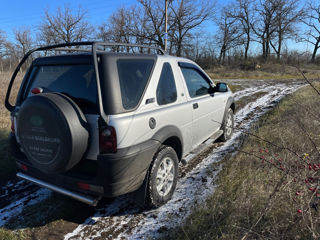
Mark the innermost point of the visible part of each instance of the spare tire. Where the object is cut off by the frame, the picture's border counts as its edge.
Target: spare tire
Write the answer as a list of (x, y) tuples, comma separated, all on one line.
[(52, 131)]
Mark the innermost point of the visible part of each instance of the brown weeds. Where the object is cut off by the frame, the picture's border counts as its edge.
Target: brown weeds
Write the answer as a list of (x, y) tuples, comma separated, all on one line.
[(265, 71), (4, 81)]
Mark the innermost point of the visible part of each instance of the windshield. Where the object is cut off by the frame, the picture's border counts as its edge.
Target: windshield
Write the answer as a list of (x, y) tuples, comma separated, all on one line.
[(76, 81)]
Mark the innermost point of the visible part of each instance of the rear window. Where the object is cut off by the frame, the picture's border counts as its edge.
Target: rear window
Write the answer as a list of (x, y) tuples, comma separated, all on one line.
[(133, 77), (76, 81)]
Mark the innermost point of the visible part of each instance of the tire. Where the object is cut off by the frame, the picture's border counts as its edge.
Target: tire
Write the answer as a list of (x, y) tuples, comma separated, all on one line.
[(164, 168), (227, 126), (52, 131)]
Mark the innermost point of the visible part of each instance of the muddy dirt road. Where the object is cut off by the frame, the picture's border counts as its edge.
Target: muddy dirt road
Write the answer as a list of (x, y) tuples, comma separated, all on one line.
[(119, 218)]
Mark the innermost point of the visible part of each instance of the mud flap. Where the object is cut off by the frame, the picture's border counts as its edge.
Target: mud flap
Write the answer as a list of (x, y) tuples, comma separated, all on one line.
[(139, 196)]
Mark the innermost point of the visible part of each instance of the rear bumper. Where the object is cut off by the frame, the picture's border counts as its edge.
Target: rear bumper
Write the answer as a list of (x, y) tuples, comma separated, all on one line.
[(115, 174)]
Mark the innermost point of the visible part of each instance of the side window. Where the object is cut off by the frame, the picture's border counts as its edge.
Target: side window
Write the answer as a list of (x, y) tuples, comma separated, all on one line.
[(166, 90), (133, 78), (197, 85)]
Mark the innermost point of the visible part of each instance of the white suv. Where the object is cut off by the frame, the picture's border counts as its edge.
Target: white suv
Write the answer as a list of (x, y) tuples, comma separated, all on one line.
[(101, 124)]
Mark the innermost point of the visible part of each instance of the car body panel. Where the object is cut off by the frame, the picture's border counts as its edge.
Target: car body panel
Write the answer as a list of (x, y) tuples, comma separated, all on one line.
[(140, 131)]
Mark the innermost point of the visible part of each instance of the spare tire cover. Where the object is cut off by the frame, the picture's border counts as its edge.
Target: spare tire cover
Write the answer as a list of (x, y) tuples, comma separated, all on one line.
[(52, 131)]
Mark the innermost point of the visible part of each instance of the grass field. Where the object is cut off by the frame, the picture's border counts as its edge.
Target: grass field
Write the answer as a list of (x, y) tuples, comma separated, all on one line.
[(268, 191), (266, 71)]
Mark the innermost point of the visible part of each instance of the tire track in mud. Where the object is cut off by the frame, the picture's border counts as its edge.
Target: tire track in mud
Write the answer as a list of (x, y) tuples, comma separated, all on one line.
[(121, 219), (196, 183), (16, 195)]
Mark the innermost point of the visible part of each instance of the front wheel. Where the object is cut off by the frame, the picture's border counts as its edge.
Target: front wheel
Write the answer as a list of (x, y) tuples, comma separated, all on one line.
[(163, 177), (227, 126)]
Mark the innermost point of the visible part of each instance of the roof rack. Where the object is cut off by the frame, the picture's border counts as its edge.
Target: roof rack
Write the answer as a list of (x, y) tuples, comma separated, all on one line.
[(107, 44), (70, 50)]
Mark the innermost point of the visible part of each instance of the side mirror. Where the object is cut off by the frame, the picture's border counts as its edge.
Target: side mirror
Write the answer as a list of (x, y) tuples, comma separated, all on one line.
[(221, 87)]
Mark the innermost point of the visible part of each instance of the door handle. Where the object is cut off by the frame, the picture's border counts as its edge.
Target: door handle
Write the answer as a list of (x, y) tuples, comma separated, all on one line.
[(195, 105)]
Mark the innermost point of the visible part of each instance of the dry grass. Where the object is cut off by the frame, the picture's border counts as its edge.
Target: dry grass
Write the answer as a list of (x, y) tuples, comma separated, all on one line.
[(261, 191), (4, 81), (266, 71), (7, 164), (9, 235)]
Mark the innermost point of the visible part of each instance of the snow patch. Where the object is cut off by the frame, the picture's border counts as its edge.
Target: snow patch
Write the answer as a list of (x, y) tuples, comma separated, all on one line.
[(15, 208)]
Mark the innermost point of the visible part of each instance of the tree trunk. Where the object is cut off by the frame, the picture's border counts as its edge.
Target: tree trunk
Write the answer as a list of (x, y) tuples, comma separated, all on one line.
[(179, 48), (267, 49), (316, 46), (264, 49), (279, 46), (247, 48), (222, 56)]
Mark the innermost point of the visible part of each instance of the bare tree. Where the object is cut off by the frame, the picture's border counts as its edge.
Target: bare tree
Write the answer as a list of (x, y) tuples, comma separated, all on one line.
[(244, 14), (287, 17), (153, 21), (144, 23), (64, 26), (121, 24), (124, 26), (11, 53), (2, 49), (264, 24), (229, 34), (187, 17), (147, 23), (2, 42), (23, 44), (24, 41), (104, 33), (312, 22)]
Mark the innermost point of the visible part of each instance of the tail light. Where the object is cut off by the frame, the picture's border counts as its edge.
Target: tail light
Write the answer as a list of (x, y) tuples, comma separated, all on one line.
[(84, 186), (12, 125), (37, 90), (22, 167), (90, 187), (107, 139)]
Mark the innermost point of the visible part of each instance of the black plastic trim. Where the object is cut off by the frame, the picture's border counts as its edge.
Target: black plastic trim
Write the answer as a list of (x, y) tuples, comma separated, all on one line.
[(166, 132), (230, 101)]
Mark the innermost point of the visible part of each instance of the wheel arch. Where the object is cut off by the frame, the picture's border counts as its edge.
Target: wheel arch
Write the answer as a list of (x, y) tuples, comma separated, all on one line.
[(230, 104), (170, 136)]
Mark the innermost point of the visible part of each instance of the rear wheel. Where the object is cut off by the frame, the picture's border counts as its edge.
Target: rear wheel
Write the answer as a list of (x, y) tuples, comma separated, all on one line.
[(163, 177)]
